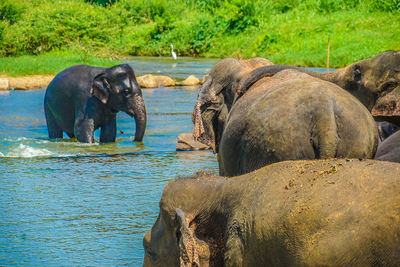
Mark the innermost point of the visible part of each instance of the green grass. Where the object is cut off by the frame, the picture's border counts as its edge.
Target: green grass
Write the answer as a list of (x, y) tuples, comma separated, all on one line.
[(50, 63), (285, 31)]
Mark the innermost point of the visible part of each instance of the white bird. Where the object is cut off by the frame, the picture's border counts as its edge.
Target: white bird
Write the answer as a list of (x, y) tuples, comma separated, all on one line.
[(172, 52)]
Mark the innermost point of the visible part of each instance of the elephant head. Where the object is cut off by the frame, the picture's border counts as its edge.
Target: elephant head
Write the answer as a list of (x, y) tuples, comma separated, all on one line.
[(118, 89), (189, 231), (375, 82), (217, 95)]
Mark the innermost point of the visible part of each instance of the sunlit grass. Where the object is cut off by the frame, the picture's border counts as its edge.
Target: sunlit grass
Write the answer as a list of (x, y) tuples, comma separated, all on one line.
[(49, 63)]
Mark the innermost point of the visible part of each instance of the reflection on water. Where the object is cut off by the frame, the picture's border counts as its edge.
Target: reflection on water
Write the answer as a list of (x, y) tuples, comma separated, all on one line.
[(67, 203)]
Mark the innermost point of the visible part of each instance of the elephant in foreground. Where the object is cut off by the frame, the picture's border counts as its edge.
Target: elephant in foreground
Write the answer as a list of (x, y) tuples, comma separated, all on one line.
[(335, 212), (83, 98)]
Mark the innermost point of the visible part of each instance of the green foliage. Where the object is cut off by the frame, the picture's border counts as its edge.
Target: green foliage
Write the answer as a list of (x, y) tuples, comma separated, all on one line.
[(10, 12), (103, 3), (386, 5), (285, 31)]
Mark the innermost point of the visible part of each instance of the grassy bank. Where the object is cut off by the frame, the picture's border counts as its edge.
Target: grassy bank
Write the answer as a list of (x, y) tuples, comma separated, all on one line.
[(49, 63), (285, 31)]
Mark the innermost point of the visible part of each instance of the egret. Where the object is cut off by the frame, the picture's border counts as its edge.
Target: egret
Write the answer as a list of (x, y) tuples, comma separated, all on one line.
[(172, 52)]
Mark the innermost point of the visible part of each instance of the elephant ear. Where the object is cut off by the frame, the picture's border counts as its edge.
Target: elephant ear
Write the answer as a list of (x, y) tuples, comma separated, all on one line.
[(100, 88), (188, 254)]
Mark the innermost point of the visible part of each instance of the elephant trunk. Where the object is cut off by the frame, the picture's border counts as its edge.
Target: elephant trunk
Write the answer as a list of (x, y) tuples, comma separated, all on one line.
[(204, 92), (139, 113)]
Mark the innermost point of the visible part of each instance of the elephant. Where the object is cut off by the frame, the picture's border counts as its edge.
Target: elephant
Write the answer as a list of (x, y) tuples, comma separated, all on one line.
[(338, 212), (289, 116), (389, 149), (82, 98), (374, 81), (224, 76), (386, 129)]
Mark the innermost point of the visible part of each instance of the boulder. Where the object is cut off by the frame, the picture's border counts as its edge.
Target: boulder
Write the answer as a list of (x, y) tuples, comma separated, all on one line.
[(4, 84), (204, 78), (30, 82), (191, 80), (152, 81), (187, 142)]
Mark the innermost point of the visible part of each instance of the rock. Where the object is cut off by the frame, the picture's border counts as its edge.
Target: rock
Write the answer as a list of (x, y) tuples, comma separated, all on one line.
[(4, 84), (203, 80), (191, 80), (30, 82), (152, 81), (187, 142)]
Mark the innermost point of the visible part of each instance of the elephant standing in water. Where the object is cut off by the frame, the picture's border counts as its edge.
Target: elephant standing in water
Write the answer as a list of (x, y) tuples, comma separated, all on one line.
[(300, 213), (83, 98), (275, 135), (287, 117)]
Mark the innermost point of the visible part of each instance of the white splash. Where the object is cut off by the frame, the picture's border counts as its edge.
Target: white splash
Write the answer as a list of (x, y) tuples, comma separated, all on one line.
[(19, 139), (23, 151)]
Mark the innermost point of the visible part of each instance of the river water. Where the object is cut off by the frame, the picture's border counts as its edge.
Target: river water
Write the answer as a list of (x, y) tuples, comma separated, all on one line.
[(70, 204)]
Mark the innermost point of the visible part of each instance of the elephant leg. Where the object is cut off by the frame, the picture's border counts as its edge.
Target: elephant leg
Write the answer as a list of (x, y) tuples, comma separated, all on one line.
[(53, 129), (109, 130)]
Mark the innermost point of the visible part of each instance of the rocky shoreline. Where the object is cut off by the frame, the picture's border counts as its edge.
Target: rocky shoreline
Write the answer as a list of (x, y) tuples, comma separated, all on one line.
[(37, 82)]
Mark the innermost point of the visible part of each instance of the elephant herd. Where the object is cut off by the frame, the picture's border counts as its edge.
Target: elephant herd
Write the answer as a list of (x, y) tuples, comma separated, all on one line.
[(314, 158)]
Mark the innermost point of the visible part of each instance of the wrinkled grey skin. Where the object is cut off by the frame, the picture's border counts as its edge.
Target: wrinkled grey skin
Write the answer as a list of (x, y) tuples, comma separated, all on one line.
[(374, 81), (386, 129), (83, 98), (294, 213), (294, 116), (389, 149), (217, 95)]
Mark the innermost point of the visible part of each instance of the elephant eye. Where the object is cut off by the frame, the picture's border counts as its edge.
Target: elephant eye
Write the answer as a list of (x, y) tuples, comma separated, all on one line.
[(126, 92), (387, 87)]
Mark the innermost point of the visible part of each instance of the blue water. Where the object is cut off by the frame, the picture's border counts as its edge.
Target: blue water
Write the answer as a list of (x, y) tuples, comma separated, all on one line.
[(70, 204)]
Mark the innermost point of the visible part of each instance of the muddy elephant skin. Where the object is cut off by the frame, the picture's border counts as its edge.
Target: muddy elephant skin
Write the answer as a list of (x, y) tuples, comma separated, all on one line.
[(83, 98), (295, 213)]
